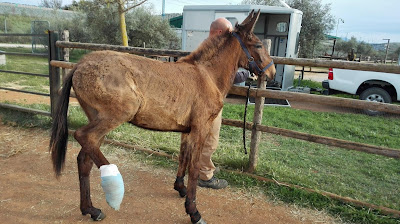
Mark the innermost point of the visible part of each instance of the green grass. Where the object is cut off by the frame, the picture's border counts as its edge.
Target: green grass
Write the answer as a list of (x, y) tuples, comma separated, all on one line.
[(77, 54), (307, 83), (347, 173), (369, 178), (32, 65), (24, 82)]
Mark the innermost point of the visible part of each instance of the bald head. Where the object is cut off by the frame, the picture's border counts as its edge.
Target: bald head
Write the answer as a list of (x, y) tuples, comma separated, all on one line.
[(220, 26)]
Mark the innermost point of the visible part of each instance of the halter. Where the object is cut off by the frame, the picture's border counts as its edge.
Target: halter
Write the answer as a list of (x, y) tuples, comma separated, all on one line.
[(252, 63)]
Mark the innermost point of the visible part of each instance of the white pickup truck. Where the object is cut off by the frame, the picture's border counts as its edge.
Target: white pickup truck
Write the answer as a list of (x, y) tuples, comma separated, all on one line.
[(372, 86)]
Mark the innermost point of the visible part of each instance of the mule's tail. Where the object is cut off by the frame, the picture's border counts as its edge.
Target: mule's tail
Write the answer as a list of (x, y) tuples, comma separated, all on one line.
[(59, 131)]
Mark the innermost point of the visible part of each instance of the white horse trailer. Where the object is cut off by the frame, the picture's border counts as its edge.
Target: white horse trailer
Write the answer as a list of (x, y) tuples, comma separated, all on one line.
[(279, 24)]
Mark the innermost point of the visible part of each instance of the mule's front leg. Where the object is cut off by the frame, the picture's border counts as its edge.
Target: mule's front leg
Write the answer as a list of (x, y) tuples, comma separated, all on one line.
[(190, 203), (195, 142), (179, 184), (84, 167)]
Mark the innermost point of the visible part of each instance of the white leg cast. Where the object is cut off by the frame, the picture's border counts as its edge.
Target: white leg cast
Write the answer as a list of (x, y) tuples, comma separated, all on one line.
[(113, 185)]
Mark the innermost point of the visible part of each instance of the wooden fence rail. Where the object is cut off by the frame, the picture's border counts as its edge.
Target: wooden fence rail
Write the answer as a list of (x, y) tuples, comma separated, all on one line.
[(319, 99), (132, 50), (278, 60)]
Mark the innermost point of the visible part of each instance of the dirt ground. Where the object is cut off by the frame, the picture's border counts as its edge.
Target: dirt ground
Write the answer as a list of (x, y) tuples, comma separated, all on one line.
[(30, 193)]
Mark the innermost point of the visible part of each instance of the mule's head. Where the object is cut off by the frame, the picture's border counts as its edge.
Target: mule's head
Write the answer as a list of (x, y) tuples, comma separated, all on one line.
[(256, 51)]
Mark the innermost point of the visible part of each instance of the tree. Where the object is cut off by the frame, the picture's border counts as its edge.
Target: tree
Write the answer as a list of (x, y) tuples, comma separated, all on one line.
[(316, 21), (99, 23), (152, 30), (53, 4), (342, 47), (361, 48), (397, 54), (123, 7), (364, 49)]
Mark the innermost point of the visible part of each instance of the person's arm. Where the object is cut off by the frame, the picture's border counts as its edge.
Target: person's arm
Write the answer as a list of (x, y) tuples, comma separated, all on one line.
[(241, 76)]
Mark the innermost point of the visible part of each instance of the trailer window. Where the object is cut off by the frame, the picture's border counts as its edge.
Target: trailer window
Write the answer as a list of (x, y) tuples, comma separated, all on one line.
[(233, 20), (281, 27)]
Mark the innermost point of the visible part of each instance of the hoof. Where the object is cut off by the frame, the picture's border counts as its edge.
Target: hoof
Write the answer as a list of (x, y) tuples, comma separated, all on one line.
[(182, 192), (201, 221), (180, 187), (100, 217)]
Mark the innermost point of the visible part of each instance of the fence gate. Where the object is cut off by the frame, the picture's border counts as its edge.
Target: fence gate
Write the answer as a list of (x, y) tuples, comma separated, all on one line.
[(46, 39), (39, 41)]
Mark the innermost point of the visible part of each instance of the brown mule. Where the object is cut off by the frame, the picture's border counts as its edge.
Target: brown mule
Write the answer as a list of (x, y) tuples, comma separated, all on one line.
[(186, 96)]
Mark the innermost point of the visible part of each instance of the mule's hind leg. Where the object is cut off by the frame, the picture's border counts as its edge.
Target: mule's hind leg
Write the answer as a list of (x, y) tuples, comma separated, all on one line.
[(85, 165), (179, 184), (90, 137)]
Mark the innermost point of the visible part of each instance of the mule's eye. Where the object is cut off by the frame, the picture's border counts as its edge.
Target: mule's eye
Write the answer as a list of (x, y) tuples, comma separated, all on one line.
[(258, 46)]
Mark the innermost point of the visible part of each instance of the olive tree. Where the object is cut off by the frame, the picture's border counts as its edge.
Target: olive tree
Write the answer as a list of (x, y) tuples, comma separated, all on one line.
[(143, 27), (99, 23), (343, 47), (54, 4), (123, 7)]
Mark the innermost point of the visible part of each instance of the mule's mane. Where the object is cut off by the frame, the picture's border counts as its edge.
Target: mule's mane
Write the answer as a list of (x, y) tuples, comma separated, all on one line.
[(207, 49)]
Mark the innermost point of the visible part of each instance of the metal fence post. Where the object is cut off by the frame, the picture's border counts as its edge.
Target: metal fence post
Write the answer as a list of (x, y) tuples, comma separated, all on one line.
[(258, 114), (54, 72)]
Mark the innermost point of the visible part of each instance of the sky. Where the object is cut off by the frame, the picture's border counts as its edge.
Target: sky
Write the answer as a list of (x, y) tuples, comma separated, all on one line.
[(367, 20)]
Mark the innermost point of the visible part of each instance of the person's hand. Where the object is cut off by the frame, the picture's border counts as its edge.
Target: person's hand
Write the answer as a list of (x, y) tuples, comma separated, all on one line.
[(253, 77)]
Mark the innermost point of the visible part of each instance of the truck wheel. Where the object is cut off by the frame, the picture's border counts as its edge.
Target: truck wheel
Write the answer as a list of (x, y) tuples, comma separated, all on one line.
[(375, 94)]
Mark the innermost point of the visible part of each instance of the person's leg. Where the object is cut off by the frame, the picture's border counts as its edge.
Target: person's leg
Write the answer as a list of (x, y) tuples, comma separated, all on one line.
[(207, 167), (210, 146)]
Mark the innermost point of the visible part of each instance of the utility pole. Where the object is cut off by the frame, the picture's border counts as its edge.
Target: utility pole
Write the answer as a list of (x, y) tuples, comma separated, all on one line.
[(387, 49), (337, 26)]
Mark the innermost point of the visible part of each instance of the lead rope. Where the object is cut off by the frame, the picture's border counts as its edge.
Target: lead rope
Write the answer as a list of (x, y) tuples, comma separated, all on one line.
[(244, 120)]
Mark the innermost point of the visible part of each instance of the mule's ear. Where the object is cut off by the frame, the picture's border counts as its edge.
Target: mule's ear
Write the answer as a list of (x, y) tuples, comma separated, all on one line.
[(248, 18), (249, 27)]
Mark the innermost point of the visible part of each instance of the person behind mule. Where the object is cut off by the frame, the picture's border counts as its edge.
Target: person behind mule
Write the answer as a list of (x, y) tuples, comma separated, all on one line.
[(207, 168)]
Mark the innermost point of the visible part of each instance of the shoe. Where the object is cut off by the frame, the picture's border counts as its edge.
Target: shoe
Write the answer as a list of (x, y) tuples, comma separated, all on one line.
[(213, 183)]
